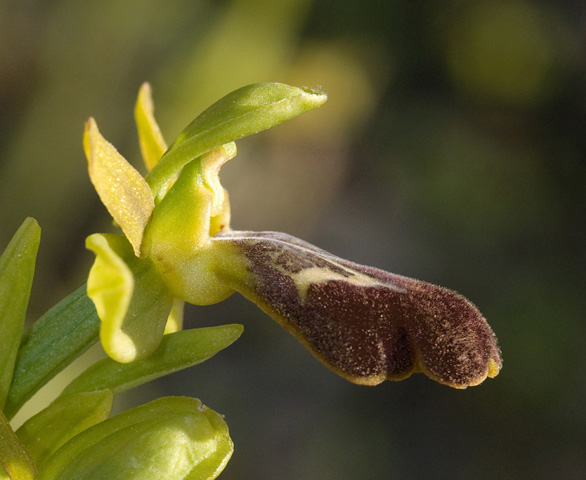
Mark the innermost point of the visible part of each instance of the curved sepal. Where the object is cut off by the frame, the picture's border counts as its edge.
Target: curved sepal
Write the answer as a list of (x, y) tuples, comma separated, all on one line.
[(130, 297), (121, 188), (152, 143), (365, 324), (17, 268), (171, 438), (243, 112), (66, 417)]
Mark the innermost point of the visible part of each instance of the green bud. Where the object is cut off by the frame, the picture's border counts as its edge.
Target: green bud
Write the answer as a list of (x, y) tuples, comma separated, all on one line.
[(172, 438), (67, 416)]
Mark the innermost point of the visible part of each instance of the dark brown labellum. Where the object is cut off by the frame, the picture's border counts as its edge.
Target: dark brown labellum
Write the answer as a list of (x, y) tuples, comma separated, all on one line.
[(366, 324)]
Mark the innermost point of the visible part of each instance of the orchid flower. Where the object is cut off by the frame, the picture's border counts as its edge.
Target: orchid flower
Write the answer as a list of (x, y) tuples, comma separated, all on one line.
[(177, 246)]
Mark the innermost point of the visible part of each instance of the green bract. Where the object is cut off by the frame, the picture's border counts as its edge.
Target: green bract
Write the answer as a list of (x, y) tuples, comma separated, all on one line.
[(17, 268), (177, 351), (54, 341)]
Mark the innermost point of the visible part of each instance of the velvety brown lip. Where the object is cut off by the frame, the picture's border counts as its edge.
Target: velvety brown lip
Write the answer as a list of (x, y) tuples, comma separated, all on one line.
[(366, 324)]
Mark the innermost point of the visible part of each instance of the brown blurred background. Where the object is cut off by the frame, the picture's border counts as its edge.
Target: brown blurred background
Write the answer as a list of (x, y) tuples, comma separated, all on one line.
[(451, 149)]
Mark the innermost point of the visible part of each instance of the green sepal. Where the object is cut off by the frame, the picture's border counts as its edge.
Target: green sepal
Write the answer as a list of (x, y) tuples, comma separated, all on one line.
[(17, 268), (170, 438), (177, 351), (55, 340), (15, 459), (131, 299), (66, 417), (243, 112)]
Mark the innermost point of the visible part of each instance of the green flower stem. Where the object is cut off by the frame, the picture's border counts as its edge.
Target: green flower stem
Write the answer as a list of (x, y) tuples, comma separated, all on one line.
[(14, 457), (17, 268), (177, 351), (56, 339), (52, 427), (243, 112)]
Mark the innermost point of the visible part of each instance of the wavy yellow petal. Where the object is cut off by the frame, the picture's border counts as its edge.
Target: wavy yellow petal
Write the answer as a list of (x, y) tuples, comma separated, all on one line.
[(110, 285), (121, 188), (152, 143)]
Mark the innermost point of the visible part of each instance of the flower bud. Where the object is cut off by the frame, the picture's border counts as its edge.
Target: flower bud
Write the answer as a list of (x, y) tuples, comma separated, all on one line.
[(171, 438)]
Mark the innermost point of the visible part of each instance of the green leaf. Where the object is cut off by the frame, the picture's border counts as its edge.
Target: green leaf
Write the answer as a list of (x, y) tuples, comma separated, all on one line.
[(177, 351), (66, 417), (131, 299), (17, 268), (172, 438), (56, 339), (243, 112), (14, 457)]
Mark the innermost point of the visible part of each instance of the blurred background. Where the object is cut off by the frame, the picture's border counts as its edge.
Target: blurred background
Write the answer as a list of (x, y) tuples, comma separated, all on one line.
[(451, 149)]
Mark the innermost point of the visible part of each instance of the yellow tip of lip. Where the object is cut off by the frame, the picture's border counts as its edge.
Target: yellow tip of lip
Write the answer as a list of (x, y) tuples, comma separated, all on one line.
[(493, 369)]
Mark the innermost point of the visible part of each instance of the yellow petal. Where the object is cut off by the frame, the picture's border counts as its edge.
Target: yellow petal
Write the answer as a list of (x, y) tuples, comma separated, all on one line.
[(110, 285), (152, 143), (121, 188), (132, 300)]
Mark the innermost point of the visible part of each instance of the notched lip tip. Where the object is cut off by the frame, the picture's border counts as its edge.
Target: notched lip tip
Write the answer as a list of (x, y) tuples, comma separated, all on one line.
[(315, 91)]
